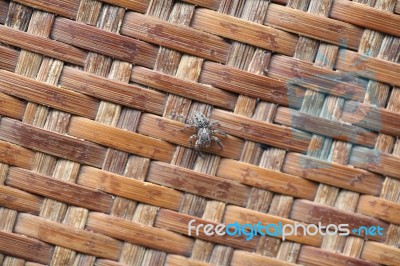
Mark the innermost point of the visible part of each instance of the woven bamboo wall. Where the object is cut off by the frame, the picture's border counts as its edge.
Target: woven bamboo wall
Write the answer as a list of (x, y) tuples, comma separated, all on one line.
[(94, 167)]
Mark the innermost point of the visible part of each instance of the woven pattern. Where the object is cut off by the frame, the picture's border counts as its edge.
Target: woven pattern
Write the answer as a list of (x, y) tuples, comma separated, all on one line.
[(94, 166)]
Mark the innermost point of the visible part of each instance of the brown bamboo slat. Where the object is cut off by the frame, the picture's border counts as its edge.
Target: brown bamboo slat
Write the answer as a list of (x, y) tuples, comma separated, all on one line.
[(176, 37), (11, 107), (51, 143), (19, 200), (297, 72), (252, 85), (185, 88), (178, 222), (326, 127), (135, 5), (368, 67), (375, 161), (67, 236), (267, 133), (313, 26), (379, 208), (211, 4), (26, 248), (313, 256), (4, 10), (365, 16), (103, 262), (130, 188), (310, 212), (104, 42), (8, 58), (397, 7), (380, 253), (372, 117), (183, 261), (120, 139), (59, 190), (246, 216), (244, 31), (68, 8), (274, 181), (45, 94), (16, 155), (139, 234), (198, 183), (243, 258), (113, 91), (171, 131), (332, 174)]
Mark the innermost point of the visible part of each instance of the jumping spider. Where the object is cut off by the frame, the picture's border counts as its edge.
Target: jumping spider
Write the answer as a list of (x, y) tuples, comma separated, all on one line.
[(204, 132)]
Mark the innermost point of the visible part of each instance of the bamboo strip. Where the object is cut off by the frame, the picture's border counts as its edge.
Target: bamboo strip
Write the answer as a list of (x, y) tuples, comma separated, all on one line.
[(104, 42), (135, 5), (3, 11), (42, 93), (185, 88), (121, 139), (313, 26), (198, 183), (250, 129), (174, 260), (139, 234), (19, 200), (397, 8), (176, 37), (270, 180), (365, 16), (371, 117), (380, 253), (52, 143), (68, 8), (103, 262), (66, 192), (113, 91), (67, 236), (8, 58), (24, 247), (210, 4), (249, 84), (243, 258), (11, 107), (16, 155), (380, 208), (245, 216), (244, 31), (333, 174), (313, 213), (130, 188)]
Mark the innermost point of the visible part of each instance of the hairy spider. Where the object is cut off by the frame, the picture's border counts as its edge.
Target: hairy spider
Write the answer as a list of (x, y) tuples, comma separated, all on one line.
[(204, 132)]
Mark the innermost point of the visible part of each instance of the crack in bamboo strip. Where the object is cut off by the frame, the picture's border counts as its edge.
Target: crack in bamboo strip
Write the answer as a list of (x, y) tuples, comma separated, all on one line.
[(8, 58), (376, 161), (66, 8), (176, 37), (243, 258), (174, 260), (51, 143), (130, 188), (365, 16), (139, 234), (312, 256), (380, 253), (45, 94), (313, 26), (264, 178), (297, 72), (67, 236), (42, 45), (135, 5), (11, 107), (246, 216), (378, 119), (26, 248), (368, 67), (19, 200), (333, 174), (326, 127), (251, 129), (377, 207), (121, 139), (171, 131), (249, 84), (15, 155), (244, 31), (104, 42), (313, 213), (198, 183), (185, 88), (178, 222), (63, 191), (112, 90)]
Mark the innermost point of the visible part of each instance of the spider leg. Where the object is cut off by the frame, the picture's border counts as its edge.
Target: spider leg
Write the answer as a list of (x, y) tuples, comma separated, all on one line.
[(218, 142), (197, 148), (218, 131), (215, 123), (192, 137)]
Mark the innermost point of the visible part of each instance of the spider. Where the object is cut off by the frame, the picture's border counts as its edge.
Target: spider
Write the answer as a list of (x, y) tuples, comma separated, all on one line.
[(204, 132)]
